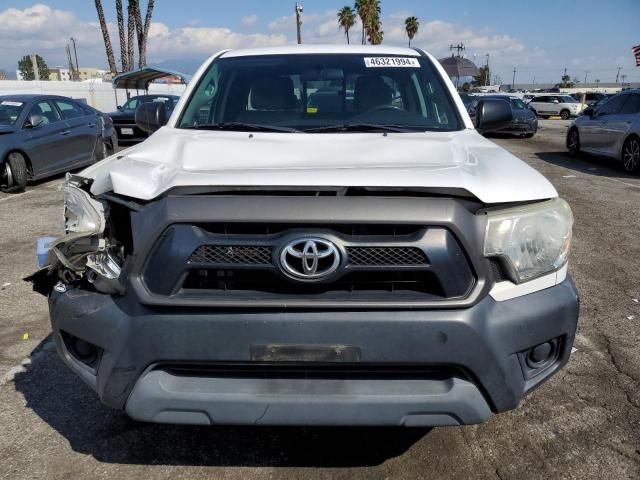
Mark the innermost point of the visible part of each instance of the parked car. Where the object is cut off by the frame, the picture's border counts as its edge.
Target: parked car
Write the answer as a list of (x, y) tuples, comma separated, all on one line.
[(469, 102), (611, 130), (524, 123), (124, 119), (42, 135), (564, 106), (269, 263)]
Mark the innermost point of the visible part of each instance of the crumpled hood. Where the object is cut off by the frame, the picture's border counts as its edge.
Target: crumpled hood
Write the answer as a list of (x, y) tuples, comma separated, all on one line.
[(178, 157)]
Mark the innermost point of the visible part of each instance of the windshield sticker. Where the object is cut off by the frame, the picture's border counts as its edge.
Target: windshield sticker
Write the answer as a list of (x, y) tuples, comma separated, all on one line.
[(372, 62), (9, 103)]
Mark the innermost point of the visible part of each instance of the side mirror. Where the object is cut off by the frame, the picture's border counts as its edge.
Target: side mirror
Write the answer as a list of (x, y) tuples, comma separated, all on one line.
[(492, 115), (151, 116), (33, 121), (589, 111), (120, 108)]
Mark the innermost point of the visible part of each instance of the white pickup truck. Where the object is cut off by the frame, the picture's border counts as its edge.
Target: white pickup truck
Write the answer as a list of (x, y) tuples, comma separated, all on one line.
[(317, 236)]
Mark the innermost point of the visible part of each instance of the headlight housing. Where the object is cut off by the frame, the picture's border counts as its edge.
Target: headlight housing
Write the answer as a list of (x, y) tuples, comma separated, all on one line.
[(82, 214), (533, 239)]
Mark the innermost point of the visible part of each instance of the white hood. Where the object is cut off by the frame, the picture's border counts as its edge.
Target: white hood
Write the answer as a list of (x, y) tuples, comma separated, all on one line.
[(177, 157)]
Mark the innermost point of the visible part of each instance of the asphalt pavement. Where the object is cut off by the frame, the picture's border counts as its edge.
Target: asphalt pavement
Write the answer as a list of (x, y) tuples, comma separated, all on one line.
[(583, 424)]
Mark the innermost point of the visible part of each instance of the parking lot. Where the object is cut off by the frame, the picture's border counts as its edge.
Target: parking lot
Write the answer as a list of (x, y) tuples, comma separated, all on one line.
[(584, 423)]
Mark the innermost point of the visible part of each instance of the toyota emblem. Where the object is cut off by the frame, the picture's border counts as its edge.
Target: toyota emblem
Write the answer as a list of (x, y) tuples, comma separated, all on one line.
[(309, 258)]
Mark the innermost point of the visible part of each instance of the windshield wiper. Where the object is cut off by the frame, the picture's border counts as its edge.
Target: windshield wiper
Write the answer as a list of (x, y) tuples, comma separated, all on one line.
[(241, 127), (359, 127)]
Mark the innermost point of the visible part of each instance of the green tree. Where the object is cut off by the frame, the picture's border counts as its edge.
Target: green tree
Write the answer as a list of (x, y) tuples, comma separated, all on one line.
[(566, 82), (466, 86), (411, 25), (483, 78), (346, 19), (26, 68), (369, 12)]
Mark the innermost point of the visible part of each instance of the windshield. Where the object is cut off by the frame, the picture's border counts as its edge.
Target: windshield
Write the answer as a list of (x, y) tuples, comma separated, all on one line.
[(316, 92), (517, 104), (10, 111)]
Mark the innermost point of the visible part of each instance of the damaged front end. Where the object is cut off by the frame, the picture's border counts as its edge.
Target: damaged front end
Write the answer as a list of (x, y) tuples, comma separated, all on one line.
[(88, 252)]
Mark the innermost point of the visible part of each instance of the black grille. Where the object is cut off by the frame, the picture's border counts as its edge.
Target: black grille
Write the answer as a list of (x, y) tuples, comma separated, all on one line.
[(386, 256), (238, 264), (231, 255), (312, 370)]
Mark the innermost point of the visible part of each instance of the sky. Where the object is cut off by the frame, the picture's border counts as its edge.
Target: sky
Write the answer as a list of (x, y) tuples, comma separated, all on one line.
[(539, 39)]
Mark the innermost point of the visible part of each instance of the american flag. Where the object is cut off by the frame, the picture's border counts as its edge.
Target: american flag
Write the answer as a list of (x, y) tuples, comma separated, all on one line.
[(636, 53)]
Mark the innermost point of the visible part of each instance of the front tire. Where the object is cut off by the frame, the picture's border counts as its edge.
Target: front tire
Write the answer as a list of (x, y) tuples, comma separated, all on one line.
[(631, 155), (573, 142), (14, 173), (565, 114)]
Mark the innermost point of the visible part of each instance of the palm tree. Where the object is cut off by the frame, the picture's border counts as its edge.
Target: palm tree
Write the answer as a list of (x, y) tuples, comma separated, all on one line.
[(369, 13), (411, 25), (346, 19), (124, 58), (374, 30), (145, 34), (131, 26), (105, 35)]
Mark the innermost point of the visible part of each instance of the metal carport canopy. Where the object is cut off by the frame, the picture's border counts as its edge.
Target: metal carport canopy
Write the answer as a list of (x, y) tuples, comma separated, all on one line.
[(140, 79)]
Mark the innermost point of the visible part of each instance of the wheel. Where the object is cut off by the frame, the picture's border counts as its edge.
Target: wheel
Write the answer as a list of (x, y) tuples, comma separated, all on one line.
[(14, 173), (631, 155), (573, 142), (565, 114)]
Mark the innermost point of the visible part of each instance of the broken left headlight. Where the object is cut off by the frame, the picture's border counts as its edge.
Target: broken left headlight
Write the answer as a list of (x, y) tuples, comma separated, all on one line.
[(82, 214)]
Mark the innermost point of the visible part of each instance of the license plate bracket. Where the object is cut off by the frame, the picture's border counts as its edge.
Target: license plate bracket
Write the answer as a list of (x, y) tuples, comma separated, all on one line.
[(305, 353)]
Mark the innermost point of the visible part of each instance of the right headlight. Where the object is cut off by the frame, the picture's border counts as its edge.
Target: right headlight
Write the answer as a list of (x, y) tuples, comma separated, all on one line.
[(533, 239)]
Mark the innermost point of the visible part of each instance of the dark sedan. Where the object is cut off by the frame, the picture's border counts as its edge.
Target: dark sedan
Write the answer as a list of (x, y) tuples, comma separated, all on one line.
[(42, 135), (524, 123), (124, 119)]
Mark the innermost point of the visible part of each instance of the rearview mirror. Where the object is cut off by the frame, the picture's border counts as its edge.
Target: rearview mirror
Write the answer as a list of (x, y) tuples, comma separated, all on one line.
[(151, 116), (33, 121), (492, 115)]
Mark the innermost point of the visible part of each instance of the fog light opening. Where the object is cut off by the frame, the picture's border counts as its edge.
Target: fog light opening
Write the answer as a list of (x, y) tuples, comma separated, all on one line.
[(540, 357), (540, 354), (83, 351)]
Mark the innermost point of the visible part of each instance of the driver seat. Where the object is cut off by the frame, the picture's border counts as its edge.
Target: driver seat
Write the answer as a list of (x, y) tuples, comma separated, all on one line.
[(371, 91)]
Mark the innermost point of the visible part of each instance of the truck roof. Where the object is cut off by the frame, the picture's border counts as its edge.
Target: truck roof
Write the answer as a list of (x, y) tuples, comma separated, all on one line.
[(319, 49)]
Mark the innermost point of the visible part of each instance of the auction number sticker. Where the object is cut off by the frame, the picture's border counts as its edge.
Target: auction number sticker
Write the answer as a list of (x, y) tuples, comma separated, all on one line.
[(9, 103), (372, 62)]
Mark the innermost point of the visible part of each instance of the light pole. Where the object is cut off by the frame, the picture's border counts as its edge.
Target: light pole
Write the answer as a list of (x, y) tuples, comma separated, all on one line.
[(586, 72), (75, 54), (487, 72), (298, 21), (618, 74), (513, 82)]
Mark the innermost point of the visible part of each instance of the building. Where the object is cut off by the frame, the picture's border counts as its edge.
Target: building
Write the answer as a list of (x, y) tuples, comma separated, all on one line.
[(90, 73), (59, 74)]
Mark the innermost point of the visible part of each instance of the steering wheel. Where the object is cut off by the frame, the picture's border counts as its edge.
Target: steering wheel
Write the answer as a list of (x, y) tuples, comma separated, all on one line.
[(378, 108)]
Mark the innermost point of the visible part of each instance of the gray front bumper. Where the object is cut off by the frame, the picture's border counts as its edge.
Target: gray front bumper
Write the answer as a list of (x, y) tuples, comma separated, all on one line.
[(484, 342), (161, 397)]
